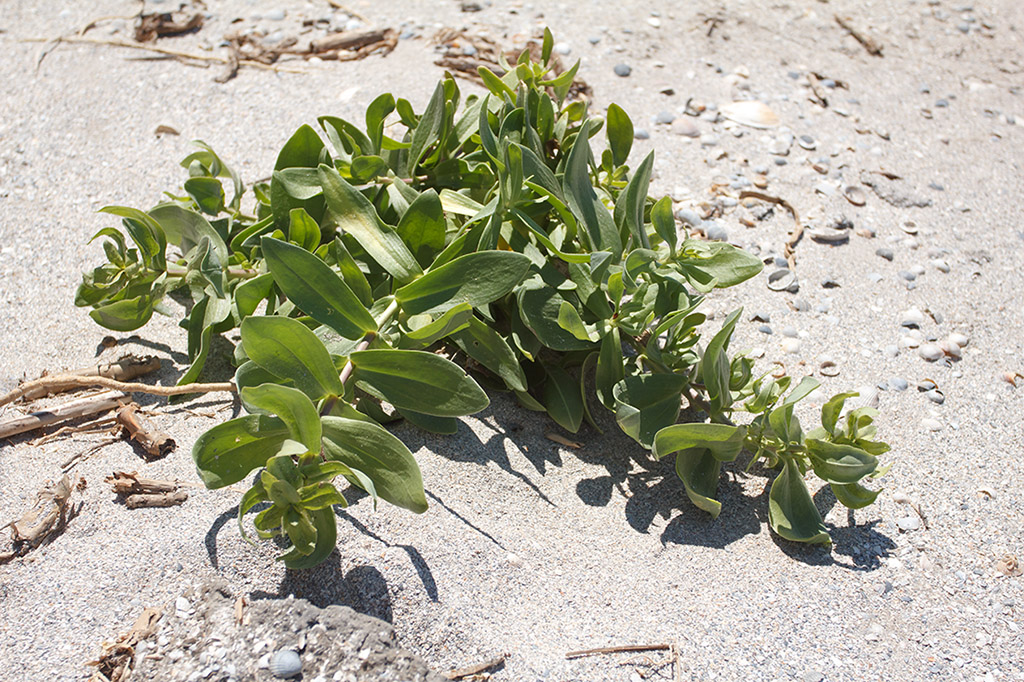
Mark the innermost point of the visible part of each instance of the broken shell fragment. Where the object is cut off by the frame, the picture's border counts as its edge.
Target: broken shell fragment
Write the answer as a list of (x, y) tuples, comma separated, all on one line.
[(829, 235), (751, 113), (828, 369), (855, 195), (782, 280)]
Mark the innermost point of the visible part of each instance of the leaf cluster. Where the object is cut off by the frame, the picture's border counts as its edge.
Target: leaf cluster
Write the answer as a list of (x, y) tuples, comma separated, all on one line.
[(381, 260)]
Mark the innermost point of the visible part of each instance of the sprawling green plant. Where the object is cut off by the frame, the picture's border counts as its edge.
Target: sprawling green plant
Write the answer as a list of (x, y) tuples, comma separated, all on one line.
[(489, 234)]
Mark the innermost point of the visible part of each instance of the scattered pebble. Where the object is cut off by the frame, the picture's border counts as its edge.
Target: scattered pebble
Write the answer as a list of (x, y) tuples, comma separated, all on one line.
[(689, 217), (714, 231), (959, 339), (765, 329), (664, 117), (807, 142), (907, 275), (940, 265), (783, 280), (855, 195), (708, 140), (898, 384), (891, 351), (931, 424), (885, 253), (641, 134), (275, 15), (908, 523), (594, 40), (685, 127), (911, 318), (935, 396), (790, 332), (562, 48), (623, 70)]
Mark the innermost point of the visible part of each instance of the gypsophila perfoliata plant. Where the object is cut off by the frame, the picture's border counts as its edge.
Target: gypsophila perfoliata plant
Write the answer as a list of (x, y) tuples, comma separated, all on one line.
[(483, 230)]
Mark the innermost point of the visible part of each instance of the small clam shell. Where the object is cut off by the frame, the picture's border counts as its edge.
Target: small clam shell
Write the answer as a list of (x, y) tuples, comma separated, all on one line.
[(829, 235), (930, 351), (781, 280), (753, 114), (909, 227), (927, 385), (828, 369), (959, 339), (855, 195), (285, 663)]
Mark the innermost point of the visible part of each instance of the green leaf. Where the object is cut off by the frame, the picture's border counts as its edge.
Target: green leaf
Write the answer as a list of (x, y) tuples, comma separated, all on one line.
[(145, 232), (303, 149), (831, 410), (854, 495), (562, 400), (185, 229), (727, 264), (665, 222), (303, 231), (715, 364), (346, 137), (482, 343), (205, 315), (355, 215), (450, 322), (724, 442), (316, 289), (495, 84), (321, 496), (791, 511), (475, 278), (371, 449), (376, 114), (699, 470), (287, 348), (366, 168), (646, 404), (842, 464), (326, 539), (125, 315), (569, 319), (583, 200), (251, 292), (423, 227), (539, 305), (291, 406), (251, 374), (300, 531), (629, 209), (419, 381), (250, 499), (428, 130), (353, 276), (226, 453), (620, 134), (207, 192), (610, 368)]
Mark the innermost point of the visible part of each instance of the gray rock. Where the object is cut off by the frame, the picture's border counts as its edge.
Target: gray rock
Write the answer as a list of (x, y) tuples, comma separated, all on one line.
[(908, 523), (898, 384), (685, 127), (907, 275), (641, 134), (930, 351), (714, 231), (935, 396), (689, 217), (885, 253), (275, 15), (623, 70), (765, 329), (343, 643), (664, 117)]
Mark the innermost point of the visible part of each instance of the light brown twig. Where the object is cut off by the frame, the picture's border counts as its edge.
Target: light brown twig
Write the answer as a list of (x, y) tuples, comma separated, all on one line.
[(104, 382), (869, 43), (795, 235), (459, 673), (618, 649)]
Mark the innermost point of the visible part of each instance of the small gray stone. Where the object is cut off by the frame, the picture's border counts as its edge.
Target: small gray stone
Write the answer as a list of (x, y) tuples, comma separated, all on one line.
[(562, 48), (885, 253), (714, 231), (641, 134), (891, 351), (275, 15), (875, 277), (790, 332), (689, 217), (708, 140), (594, 40), (935, 396), (664, 117), (898, 384), (765, 329), (761, 316), (801, 305), (623, 70), (931, 424), (907, 275), (807, 142), (685, 127), (812, 676), (930, 351)]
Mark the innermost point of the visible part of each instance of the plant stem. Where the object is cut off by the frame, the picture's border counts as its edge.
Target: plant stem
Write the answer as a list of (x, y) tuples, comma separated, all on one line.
[(234, 273), (384, 318)]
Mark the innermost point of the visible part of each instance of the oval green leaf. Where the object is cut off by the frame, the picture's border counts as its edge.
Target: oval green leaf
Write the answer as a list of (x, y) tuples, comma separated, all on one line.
[(287, 348), (475, 278), (419, 381)]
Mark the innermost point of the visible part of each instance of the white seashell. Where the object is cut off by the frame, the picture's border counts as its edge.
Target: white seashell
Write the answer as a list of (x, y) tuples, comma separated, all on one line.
[(959, 339), (908, 341), (911, 318), (285, 663), (930, 352), (855, 195), (752, 113), (829, 235)]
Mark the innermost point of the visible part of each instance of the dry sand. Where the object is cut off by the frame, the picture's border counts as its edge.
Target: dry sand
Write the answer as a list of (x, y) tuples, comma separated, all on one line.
[(528, 548)]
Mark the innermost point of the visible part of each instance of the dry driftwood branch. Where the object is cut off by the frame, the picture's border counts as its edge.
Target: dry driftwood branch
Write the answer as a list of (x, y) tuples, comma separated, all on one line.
[(159, 24), (122, 369), (459, 673), (144, 492), (83, 407), (115, 662), (154, 442), (48, 517), (104, 382), (618, 649), (869, 43), (349, 40)]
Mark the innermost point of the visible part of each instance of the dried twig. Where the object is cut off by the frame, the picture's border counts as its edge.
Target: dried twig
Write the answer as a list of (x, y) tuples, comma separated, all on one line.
[(104, 382), (618, 649), (144, 492), (562, 440), (164, 51), (154, 442), (115, 662), (122, 369), (795, 235), (459, 673), (44, 521), (85, 454), (83, 407), (870, 44)]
